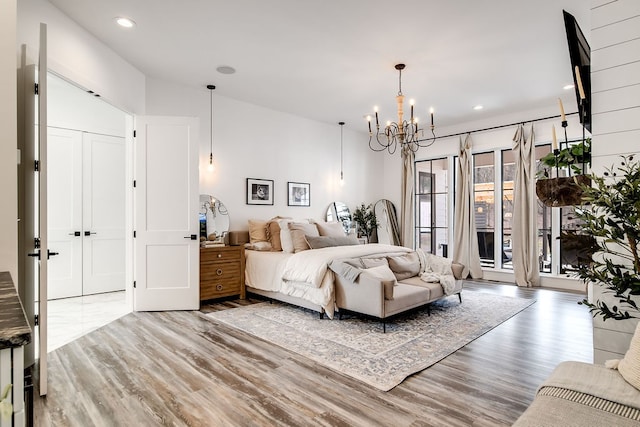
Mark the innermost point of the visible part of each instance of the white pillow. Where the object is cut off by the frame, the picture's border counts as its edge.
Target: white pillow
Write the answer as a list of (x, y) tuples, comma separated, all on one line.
[(285, 235), (629, 366)]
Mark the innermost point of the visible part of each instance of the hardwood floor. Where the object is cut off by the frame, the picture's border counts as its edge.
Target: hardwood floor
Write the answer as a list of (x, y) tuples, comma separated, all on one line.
[(179, 368)]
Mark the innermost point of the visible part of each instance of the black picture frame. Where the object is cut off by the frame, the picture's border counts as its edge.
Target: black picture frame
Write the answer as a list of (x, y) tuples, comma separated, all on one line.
[(259, 191), (298, 194)]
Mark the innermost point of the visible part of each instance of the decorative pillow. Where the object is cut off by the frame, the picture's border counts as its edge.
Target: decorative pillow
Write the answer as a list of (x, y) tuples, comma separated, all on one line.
[(298, 231), (629, 366), (257, 231), (273, 232), (387, 277), (330, 241), (374, 262), (333, 229), (405, 266), (258, 246)]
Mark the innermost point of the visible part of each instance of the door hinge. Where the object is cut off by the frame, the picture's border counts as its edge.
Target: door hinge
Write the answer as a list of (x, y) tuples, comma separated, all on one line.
[(35, 88), (134, 283), (36, 242), (134, 183), (134, 234), (134, 133), (36, 165), (36, 320)]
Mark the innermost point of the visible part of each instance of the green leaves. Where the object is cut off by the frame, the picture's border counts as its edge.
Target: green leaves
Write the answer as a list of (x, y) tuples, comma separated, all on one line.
[(612, 214)]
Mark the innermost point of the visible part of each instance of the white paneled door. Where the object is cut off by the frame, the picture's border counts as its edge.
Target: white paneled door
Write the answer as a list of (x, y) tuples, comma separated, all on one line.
[(166, 245), (86, 213), (103, 214)]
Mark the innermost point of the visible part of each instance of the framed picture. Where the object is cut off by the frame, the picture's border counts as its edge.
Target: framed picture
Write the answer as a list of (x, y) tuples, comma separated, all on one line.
[(299, 194), (259, 191)]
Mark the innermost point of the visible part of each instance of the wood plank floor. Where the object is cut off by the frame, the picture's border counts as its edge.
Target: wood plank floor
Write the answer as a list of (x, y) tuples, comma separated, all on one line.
[(180, 369)]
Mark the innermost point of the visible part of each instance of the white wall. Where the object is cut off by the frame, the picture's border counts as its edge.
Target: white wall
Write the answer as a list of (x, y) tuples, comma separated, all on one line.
[(254, 142), (615, 90), (8, 141), (80, 57)]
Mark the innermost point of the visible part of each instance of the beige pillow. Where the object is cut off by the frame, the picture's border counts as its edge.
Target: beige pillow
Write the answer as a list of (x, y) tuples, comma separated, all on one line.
[(629, 366), (386, 276), (273, 232), (298, 232), (405, 266), (257, 231), (332, 229)]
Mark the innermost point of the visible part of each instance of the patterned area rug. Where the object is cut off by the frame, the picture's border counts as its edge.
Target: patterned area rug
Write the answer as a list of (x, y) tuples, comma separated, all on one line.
[(357, 347)]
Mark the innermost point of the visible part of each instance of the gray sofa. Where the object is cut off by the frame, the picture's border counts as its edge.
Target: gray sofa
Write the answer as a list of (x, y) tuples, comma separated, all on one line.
[(366, 293), (581, 394)]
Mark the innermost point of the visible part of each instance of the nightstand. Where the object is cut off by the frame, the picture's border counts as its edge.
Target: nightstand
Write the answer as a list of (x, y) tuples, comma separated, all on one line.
[(221, 272)]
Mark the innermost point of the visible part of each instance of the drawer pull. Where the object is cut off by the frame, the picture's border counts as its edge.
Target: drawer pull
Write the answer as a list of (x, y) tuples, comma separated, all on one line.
[(219, 255), (219, 272), (219, 287)]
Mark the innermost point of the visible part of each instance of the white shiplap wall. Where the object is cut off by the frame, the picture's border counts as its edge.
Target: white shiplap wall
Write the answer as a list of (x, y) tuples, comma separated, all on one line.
[(615, 76)]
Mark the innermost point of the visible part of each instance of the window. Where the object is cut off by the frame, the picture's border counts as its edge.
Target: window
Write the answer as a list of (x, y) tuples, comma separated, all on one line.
[(432, 186), (484, 205)]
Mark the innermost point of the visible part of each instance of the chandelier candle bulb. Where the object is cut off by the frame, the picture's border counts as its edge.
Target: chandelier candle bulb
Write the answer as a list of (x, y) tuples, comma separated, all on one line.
[(579, 80), (562, 115)]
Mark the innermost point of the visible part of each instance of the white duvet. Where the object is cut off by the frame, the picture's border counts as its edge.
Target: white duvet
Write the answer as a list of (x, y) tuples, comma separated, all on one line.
[(306, 274)]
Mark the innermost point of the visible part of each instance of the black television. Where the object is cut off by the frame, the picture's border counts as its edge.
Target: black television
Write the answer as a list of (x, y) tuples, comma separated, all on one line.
[(580, 55)]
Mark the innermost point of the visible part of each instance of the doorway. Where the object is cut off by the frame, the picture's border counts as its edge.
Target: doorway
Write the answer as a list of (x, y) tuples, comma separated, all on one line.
[(87, 160)]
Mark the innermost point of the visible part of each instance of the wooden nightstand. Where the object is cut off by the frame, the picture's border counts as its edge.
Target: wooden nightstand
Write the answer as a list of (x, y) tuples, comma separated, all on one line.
[(221, 272)]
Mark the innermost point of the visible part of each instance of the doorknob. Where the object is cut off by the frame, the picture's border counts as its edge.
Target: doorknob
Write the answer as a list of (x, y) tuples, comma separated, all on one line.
[(50, 254), (75, 233), (192, 237), (88, 233), (35, 254)]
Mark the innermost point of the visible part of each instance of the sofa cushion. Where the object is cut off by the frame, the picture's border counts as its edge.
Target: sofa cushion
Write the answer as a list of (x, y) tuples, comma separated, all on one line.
[(405, 266), (387, 278), (629, 366), (406, 297), (435, 288), (374, 262)]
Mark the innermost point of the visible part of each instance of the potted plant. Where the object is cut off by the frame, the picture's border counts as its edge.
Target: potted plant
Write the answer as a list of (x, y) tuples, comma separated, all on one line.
[(612, 214), (564, 190), (365, 219)]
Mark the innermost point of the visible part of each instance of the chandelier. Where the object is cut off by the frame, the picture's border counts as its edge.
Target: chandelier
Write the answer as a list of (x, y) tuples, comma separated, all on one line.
[(404, 133)]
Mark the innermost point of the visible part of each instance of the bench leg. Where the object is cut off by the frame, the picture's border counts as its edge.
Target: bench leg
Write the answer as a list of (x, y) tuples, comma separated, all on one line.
[(321, 315), (384, 326), (460, 297)]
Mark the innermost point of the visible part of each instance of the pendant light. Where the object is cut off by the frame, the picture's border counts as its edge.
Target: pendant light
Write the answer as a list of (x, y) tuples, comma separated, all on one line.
[(341, 155), (211, 167)]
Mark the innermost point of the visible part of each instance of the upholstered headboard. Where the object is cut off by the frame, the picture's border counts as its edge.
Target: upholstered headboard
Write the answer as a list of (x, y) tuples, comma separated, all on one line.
[(238, 237)]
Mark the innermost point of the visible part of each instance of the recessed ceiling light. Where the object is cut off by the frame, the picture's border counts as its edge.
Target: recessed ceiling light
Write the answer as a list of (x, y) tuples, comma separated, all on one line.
[(478, 107), (125, 22), (225, 69), (567, 87)]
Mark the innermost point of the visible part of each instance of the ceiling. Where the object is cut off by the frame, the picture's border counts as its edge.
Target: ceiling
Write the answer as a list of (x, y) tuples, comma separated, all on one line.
[(333, 60)]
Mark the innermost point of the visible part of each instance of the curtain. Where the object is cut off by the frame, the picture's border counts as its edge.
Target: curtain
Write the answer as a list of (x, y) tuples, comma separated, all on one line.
[(394, 227), (465, 249), (524, 228), (408, 197)]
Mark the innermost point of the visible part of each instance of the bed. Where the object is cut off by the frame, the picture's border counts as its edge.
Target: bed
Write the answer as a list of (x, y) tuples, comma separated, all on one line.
[(303, 278)]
